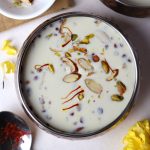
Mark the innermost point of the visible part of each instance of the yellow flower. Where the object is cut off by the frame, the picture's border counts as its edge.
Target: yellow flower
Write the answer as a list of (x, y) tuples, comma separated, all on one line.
[(7, 46), (7, 67), (138, 137)]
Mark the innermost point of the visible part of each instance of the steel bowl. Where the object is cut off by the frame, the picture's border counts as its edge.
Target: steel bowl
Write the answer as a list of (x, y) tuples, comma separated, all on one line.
[(28, 109), (127, 9)]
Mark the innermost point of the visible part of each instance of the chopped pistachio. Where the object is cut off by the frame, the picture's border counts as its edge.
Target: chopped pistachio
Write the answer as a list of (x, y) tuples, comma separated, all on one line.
[(90, 36), (57, 54), (51, 68), (116, 97), (17, 3), (87, 38), (49, 35), (71, 50), (85, 41), (81, 96), (74, 37), (89, 101)]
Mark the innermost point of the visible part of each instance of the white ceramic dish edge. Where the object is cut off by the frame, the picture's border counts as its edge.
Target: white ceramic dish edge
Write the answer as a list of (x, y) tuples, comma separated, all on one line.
[(27, 16)]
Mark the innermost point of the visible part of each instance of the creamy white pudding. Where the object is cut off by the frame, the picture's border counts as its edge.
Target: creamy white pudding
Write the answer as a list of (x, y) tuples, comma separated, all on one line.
[(137, 2), (79, 74)]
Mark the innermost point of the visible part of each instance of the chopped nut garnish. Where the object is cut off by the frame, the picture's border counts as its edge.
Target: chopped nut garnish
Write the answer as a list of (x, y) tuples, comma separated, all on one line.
[(113, 75), (116, 97), (93, 86), (105, 66), (73, 77), (82, 50), (121, 87), (85, 64), (87, 38)]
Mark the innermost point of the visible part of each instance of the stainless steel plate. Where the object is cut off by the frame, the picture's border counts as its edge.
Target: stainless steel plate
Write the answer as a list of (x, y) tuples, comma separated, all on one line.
[(126, 9)]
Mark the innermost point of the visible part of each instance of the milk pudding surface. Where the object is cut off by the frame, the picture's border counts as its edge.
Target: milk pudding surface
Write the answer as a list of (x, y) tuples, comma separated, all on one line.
[(79, 74)]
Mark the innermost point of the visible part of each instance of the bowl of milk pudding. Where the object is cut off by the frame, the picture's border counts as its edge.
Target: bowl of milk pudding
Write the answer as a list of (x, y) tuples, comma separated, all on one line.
[(77, 75), (133, 8)]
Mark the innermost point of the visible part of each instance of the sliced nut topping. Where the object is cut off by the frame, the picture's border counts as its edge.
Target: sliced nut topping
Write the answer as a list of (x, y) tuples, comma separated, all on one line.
[(67, 55), (81, 96), (121, 87), (74, 37), (85, 64), (113, 74), (66, 34), (93, 86), (62, 25), (82, 50), (87, 38), (73, 77), (51, 68), (116, 97), (56, 52), (105, 66), (73, 66), (90, 74)]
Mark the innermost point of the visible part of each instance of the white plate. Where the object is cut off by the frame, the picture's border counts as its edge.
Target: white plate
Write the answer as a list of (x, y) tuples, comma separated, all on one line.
[(7, 8)]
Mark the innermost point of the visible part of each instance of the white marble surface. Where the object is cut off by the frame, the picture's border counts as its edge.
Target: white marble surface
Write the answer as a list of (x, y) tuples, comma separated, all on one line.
[(137, 30)]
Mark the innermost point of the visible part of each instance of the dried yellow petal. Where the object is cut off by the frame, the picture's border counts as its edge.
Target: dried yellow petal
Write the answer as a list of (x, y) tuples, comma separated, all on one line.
[(138, 137), (11, 51), (7, 67), (7, 46)]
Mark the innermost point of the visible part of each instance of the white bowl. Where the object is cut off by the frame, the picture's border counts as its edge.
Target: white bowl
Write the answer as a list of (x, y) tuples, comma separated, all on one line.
[(7, 8)]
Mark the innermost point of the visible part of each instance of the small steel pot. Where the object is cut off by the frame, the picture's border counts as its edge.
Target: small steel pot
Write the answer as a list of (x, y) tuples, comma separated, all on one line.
[(23, 99), (126, 9)]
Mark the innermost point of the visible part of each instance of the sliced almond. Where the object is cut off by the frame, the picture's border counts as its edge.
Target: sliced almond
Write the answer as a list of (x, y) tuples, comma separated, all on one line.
[(113, 74), (73, 77), (105, 66), (73, 66), (93, 86), (116, 97), (121, 87), (85, 64), (62, 25)]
